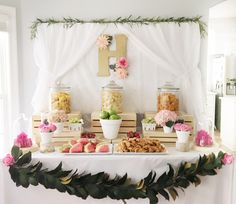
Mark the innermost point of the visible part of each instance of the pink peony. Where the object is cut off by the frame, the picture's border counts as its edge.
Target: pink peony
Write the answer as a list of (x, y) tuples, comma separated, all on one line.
[(103, 41), (203, 138), (122, 63), (22, 141), (8, 160), (46, 127), (182, 127), (163, 116), (227, 159), (121, 73)]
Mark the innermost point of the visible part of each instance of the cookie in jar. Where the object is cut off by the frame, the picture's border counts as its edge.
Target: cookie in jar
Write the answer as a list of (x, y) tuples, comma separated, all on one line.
[(112, 97), (60, 98), (168, 98)]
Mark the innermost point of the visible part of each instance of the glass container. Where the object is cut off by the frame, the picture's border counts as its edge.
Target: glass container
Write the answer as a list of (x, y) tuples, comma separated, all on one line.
[(60, 98), (168, 98), (112, 97)]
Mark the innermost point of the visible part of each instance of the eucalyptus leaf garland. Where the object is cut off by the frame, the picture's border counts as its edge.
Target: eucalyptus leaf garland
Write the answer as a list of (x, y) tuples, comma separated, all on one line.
[(100, 185), (130, 20)]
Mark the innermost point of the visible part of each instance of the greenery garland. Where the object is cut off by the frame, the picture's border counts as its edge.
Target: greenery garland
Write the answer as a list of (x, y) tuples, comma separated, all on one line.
[(100, 185), (69, 22)]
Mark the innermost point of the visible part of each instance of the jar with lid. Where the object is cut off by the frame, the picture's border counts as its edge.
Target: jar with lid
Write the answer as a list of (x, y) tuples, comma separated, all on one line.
[(60, 98), (112, 97), (168, 97)]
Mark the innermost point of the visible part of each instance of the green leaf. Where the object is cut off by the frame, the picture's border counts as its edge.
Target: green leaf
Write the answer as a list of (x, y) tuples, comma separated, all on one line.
[(23, 180), (16, 152), (56, 170), (25, 159), (96, 191), (171, 171), (152, 197), (164, 194), (173, 193), (33, 180)]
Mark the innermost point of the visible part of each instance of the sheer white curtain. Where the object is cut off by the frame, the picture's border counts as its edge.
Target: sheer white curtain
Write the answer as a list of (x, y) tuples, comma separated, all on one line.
[(156, 53), (58, 50), (175, 49)]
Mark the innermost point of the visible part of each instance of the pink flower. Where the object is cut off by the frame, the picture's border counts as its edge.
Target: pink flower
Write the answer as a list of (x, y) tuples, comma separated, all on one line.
[(203, 139), (52, 127), (227, 159), (121, 73), (8, 160), (103, 41), (163, 116), (122, 63), (182, 127), (22, 140)]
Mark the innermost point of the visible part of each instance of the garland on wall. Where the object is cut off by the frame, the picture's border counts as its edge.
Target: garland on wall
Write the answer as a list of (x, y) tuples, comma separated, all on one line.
[(69, 22), (100, 185)]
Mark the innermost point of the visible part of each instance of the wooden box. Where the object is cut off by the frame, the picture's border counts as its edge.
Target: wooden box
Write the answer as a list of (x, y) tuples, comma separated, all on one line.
[(58, 139), (171, 138), (128, 124)]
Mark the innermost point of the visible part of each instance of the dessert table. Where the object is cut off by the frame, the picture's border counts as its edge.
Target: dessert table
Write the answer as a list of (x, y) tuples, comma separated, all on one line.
[(213, 190)]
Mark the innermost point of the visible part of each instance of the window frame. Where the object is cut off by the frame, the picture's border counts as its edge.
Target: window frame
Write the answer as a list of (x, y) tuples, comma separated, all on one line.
[(12, 97)]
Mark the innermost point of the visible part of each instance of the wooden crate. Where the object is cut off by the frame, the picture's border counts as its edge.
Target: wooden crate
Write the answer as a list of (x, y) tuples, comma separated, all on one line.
[(58, 139), (128, 124), (171, 138)]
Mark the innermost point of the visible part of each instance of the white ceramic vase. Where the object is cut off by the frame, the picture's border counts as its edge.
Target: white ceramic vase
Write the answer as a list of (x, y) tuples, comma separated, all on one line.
[(167, 129), (46, 137), (60, 127), (182, 136), (110, 128)]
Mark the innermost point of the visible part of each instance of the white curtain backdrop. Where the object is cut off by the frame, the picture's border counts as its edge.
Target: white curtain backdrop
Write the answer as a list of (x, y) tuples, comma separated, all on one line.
[(157, 53)]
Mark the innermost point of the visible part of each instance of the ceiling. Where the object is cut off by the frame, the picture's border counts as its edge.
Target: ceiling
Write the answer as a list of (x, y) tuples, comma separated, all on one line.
[(226, 9)]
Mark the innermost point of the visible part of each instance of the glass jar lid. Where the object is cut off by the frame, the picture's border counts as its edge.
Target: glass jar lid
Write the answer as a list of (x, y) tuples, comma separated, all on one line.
[(59, 86), (168, 86), (112, 85)]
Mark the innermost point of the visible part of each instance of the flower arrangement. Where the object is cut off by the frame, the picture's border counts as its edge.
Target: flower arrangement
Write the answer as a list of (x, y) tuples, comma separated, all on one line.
[(182, 127), (166, 118), (149, 121), (104, 41), (227, 159), (120, 68), (59, 117), (76, 120), (149, 124), (46, 127), (23, 141), (203, 139)]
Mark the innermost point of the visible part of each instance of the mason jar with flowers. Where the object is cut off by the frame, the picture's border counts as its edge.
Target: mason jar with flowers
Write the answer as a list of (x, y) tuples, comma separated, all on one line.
[(182, 132), (166, 119), (46, 132), (58, 118)]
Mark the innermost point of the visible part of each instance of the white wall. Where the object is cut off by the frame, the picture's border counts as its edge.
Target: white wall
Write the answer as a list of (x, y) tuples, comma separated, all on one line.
[(87, 9)]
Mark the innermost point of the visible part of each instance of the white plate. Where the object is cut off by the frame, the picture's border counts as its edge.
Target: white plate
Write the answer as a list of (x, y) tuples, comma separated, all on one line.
[(93, 153), (138, 153)]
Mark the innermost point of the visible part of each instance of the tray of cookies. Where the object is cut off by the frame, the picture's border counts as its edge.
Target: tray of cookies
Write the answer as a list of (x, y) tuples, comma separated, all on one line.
[(140, 146)]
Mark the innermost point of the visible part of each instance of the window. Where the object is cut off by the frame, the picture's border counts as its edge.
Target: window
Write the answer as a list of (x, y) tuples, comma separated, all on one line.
[(9, 101)]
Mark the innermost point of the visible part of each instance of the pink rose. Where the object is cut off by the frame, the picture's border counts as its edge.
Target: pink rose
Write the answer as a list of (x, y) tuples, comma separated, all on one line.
[(8, 160), (203, 138), (122, 63), (121, 73), (52, 127), (227, 159), (182, 127), (22, 140)]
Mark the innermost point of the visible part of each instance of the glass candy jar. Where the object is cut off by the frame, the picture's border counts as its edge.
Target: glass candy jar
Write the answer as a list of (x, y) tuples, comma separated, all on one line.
[(60, 98), (168, 98), (112, 97)]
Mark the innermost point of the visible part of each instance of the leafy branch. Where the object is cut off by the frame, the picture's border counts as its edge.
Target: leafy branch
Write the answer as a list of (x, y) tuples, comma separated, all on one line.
[(130, 20), (100, 185)]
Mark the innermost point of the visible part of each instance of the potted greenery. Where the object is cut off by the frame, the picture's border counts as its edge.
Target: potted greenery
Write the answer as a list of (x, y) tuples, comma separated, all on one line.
[(76, 124), (166, 119), (59, 118), (149, 124), (110, 123)]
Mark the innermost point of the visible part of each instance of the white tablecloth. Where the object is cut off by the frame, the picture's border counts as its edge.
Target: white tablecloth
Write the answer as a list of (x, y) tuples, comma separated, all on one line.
[(219, 189)]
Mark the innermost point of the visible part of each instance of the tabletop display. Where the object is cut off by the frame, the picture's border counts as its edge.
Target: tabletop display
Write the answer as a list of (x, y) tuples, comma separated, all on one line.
[(122, 123)]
